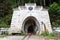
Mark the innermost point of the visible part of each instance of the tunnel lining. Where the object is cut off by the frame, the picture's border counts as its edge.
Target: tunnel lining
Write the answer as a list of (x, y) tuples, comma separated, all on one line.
[(36, 25)]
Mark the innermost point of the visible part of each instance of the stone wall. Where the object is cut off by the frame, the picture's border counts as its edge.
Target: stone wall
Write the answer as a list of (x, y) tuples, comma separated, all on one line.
[(21, 13)]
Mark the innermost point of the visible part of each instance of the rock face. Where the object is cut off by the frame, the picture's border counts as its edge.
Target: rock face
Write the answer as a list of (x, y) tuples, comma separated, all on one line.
[(30, 14)]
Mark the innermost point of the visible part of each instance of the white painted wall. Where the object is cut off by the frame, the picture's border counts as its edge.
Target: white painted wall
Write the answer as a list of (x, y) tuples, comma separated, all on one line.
[(21, 13)]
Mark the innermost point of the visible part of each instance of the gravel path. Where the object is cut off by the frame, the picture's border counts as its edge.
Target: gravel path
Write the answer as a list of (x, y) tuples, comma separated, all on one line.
[(20, 37)]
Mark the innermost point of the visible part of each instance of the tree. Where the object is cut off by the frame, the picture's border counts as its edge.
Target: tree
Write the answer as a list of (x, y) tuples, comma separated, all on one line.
[(6, 7), (5, 14), (54, 11)]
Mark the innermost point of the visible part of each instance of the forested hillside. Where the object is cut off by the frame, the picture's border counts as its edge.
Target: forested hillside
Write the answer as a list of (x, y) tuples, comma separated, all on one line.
[(6, 11)]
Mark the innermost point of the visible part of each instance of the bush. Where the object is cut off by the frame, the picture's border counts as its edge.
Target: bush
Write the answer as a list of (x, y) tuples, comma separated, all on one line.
[(44, 34), (50, 35), (22, 32), (47, 34)]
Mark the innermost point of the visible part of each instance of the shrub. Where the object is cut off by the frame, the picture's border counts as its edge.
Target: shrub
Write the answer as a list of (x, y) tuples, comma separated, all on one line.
[(47, 34), (22, 32), (44, 34), (50, 35)]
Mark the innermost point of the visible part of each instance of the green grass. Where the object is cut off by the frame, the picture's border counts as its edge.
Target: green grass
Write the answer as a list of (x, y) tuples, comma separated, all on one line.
[(46, 34), (1, 36), (49, 35)]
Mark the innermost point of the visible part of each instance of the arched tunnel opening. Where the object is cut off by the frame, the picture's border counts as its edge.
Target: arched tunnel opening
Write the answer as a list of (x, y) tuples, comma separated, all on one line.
[(30, 25)]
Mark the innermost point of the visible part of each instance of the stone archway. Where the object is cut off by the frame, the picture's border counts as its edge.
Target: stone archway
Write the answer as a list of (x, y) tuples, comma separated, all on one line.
[(31, 24)]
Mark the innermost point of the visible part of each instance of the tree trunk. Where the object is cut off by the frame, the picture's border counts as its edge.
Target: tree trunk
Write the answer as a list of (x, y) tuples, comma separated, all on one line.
[(49, 1), (34, 1), (44, 3), (41, 2), (59, 2)]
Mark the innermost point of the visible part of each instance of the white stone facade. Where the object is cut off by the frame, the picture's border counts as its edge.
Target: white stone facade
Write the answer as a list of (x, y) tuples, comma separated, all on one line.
[(23, 13)]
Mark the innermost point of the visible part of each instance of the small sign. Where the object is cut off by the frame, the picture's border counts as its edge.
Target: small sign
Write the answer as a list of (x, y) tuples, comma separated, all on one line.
[(30, 8)]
